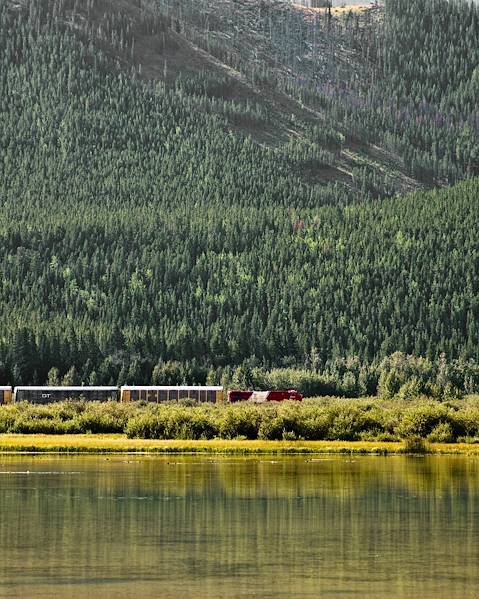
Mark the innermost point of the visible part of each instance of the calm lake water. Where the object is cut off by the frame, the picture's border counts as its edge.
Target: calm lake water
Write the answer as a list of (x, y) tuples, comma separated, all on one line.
[(174, 527)]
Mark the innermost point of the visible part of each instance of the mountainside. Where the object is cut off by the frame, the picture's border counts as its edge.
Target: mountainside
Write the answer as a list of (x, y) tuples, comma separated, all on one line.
[(215, 183)]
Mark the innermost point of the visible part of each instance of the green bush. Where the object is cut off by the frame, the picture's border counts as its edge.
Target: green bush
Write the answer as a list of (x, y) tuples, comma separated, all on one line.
[(29, 425), (174, 422), (278, 422), (146, 426), (466, 420), (105, 418), (420, 419), (7, 419), (378, 436), (315, 419), (442, 433), (239, 421), (349, 419)]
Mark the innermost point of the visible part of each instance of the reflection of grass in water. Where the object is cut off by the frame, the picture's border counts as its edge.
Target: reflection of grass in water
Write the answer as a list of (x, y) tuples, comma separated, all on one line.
[(415, 445), (259, 470)]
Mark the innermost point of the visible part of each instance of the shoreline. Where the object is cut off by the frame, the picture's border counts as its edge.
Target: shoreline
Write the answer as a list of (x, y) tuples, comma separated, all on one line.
[(104, 444)]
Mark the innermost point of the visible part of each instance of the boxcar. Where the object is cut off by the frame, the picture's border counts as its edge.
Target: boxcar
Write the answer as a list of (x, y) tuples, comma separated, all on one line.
[(45, 395), (161, 394), (5, 395)]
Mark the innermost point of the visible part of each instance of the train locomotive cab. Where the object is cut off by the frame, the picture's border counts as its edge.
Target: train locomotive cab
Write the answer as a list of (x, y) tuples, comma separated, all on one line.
[(236, 396), (290, 395)]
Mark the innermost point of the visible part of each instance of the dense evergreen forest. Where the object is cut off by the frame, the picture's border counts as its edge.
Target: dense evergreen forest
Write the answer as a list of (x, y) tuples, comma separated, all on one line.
[(238, 220), (404, 76)]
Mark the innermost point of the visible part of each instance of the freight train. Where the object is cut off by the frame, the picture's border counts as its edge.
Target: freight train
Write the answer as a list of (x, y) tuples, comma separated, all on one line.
[(153, 394), (158, 394)]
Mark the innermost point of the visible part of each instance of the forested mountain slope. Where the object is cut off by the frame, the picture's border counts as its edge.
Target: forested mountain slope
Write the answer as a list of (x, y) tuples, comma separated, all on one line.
[(142, 223)]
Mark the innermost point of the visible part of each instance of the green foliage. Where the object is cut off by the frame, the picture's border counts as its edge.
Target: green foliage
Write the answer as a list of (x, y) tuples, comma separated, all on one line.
[(142, 240), (421, 419), (242, 422), (319, 419), (65, 418), (282, 424), (431, 87), (405, 76), (442, 433), (173, 423)]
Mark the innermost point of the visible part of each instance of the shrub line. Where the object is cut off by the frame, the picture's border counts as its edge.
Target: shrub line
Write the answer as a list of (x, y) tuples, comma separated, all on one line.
[(329, 420)]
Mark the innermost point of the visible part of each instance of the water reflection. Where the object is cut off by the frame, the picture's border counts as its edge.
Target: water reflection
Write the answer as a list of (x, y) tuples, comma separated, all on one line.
[(183, 527)]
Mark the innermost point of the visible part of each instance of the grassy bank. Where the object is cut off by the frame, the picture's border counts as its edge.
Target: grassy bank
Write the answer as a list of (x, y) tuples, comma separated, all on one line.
[(121, 444), (359, 420)]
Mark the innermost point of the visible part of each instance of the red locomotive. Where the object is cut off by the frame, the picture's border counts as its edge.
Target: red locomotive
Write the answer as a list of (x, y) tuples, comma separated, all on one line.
[(264, 396)]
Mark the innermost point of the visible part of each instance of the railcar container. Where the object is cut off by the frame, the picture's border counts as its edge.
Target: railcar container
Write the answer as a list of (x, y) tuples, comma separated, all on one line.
[(264, 396), (5, 395), (290, 395), (162, 394), (235, 396), (46, 395)]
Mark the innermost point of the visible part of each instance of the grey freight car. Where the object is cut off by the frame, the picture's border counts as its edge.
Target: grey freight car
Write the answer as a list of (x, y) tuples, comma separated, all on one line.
[(45, 395)]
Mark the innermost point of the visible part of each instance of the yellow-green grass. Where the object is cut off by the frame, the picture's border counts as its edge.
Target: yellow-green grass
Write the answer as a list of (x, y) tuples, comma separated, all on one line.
[(121, 444)]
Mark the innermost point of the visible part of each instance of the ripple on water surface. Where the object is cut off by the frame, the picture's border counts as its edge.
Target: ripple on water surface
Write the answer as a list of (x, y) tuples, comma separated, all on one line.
[(173, 527)]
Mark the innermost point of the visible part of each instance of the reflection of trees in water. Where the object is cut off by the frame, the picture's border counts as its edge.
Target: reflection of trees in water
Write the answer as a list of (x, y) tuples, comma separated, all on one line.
[(336, 478), (227, 520), (272, 477)]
